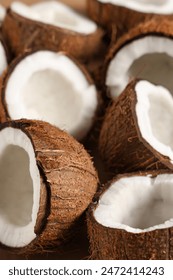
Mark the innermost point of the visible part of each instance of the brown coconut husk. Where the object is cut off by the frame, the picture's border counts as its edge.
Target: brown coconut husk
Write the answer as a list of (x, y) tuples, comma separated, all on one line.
[(108, 15), (23, 34), (121, 144), (117, 244), (68, 182)]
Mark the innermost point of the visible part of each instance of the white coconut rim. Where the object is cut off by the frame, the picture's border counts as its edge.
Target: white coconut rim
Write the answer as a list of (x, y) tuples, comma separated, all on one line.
[(137, 204), (3, 59), (22, 196), (145, 6), (55, 13), (53, 89), (2, 13), (121, 68), (154, 112)]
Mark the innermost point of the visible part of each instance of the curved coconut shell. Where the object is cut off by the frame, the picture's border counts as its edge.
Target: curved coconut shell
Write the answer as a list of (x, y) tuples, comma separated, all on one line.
[(23, 34), (121, 144), (68, 182), (118, 244), (107, 15)]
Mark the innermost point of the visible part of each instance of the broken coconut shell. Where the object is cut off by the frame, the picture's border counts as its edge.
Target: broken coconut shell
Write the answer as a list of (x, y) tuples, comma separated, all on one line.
[(23, 33), (127, 14), (145, 52), (136, 133), (55, 88), (53, 178), (132, 218)]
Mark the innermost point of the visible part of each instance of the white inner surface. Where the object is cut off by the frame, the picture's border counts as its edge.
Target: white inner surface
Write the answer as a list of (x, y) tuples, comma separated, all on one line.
[(55, 13), (2, 13), (137, 204), (154, 111), (3, 59), (145, 6), (19, 188), (149, 58), (52, 89)]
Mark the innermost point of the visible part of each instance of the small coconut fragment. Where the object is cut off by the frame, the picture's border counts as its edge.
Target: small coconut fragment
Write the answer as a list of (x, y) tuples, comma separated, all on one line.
[(146, 52), (132, 218), (54, 88), (47, 180), (51, 24), (127, 14), (3, 56), (137, 130), (2, 14)]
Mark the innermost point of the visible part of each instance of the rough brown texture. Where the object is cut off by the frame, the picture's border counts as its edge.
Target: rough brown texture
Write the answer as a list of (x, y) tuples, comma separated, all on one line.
[(107, 14), (121, 144), (23, 34), (68, 182), (117, 244)]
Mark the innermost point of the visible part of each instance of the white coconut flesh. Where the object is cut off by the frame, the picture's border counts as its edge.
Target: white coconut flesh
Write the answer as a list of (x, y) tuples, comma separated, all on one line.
[(154, 112), (57, 14), (137, 204), (53, 89), (19, 188), (145, 6), (149, 58), (3, 59)]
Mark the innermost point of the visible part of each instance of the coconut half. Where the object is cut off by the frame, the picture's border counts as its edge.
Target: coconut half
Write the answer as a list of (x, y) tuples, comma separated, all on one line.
[(145, 53), (132, 218), (137, 130), (54, 88), (51, 24), (127, 14), (47, 180)]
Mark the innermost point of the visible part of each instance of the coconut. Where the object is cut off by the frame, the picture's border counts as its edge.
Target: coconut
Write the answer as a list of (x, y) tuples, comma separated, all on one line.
[(132, 218), (53, 25), (47, 180), (137, 130), (127, 14), (4, 56), (54, 88), (2, 13), (144, 53)]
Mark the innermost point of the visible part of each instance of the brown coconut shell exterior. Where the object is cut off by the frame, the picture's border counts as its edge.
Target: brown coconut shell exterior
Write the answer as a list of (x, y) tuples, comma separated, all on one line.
[(107, 15), (117, 244), (23, 34), (68, 182), (121, 144)]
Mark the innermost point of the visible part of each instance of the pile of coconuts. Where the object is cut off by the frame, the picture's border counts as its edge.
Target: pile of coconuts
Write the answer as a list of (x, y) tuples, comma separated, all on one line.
[(86, 138)]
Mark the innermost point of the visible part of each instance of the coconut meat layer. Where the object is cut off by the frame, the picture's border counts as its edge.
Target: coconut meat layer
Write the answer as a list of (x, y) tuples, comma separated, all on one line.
[(19, 188), (145, 6), (149, 58), (137, 204), (52, 89), (3, 59), (154, 112), (57, 14)]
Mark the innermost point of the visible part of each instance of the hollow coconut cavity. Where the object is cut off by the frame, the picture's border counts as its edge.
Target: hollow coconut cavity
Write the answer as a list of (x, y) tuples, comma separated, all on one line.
[(47, 180), (148, 58), (19, 188), (137, 204), (53, 88), (57, 14)]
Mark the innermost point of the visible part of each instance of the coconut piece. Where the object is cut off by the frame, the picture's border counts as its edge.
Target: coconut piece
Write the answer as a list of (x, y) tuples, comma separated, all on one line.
[(127, 14), (145, 53), (3, 56), (52, 177), (132, 218), (54, 88), (2, 13), (137, 130), (52, 25)]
